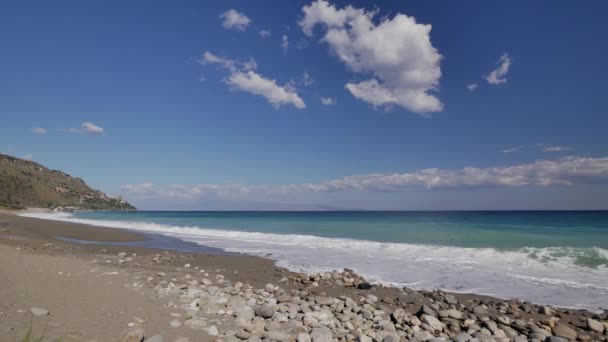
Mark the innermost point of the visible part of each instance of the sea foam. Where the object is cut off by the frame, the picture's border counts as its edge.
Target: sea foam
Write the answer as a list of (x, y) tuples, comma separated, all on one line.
[(552, 275)]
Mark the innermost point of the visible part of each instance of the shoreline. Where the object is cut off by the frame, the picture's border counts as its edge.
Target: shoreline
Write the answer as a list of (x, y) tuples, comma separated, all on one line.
[(85, 242)]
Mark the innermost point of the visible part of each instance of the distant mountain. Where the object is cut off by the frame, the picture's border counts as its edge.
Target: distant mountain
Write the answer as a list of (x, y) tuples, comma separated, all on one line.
[(24, 184)]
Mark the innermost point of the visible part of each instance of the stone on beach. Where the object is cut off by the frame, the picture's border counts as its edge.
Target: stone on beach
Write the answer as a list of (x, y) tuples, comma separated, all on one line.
[(39, 312), (562, 330), (264, 311), (595, 325), (132, 335)]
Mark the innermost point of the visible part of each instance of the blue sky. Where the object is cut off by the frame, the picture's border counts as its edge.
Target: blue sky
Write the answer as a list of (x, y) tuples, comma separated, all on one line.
[(125, 97)]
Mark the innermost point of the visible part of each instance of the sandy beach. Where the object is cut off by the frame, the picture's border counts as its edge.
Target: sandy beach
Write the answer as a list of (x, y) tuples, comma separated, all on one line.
[(82, 283)]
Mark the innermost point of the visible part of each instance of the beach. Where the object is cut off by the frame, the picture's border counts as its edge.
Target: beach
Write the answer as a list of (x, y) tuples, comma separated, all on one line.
[(79, 282)]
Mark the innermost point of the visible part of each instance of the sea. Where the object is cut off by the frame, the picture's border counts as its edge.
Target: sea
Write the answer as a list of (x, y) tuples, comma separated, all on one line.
[(548, 257)]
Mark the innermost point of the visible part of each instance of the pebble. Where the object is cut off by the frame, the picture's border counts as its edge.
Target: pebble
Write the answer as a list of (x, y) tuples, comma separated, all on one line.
[(264, 311), (562, 330), (39, 312), (132, 335), (155, 338), (595, 325), (175, 323), (212, 330)]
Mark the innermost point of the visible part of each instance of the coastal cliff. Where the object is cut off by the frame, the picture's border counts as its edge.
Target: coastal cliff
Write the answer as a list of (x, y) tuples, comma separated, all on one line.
[(24, 184)]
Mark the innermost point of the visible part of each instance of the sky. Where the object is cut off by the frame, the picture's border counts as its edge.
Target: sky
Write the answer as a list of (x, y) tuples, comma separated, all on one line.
[(305, 105)]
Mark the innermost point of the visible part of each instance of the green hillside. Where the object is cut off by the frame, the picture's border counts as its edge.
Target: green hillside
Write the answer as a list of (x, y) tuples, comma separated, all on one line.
[(24, 184)]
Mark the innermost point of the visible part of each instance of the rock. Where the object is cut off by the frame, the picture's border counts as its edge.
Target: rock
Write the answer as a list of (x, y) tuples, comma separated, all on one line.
[(175, 323), (323, 300), (422, 335), (391, 338), (450, 299), (363, 338), (264, 311), (463, 337), (182, 339), (243, 335), (364, 286), (245, 315), (212, 330), (411, 298), (555, 339), (38, 312), (453, 313), (321, 335), (480, 311), (303, 337), (562, 330), (595, 325), (155, 338), (277, 335), (366, 314), (132, 335), (284, 298), (398, 316), (433, 322), (388, 300), (269, 287), (545, 310)]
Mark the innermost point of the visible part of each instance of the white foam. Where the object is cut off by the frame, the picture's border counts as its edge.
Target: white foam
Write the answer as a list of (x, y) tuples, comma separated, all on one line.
[(549, 279)]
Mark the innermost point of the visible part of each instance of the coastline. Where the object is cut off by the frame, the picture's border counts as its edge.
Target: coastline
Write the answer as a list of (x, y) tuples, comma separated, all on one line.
[(55, 242)]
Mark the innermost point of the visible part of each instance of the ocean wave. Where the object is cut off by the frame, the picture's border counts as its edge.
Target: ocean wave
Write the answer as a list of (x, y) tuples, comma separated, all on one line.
[(537, 274)]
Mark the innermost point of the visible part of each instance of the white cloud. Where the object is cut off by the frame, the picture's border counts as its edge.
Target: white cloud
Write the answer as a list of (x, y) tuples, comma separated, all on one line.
[(396, 52), (242, 77), (328, 101), (472, 86), (512, 149), (39, 130), (565, 171), (27, 157), (233, 19), (284, 43), (254, 83), (497, 76), (553, 148), (87, 128), (307, 81), (264, 33)]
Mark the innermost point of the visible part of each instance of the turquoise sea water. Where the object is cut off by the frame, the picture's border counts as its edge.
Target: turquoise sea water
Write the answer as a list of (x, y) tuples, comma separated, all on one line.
[(549, 257)]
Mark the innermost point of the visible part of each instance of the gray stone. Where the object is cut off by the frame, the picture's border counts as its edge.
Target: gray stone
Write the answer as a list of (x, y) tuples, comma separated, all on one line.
[(450, 299), (39, 312), (411, 298), (303, 337), (175, 323), (243, 335), (562, 330), (212, 330), (264, 311), (244, 315), (555, 339), (422, 335), (277, 335), (595, 325), (462, 337), (391, 338), (132, 335), (366, 314), (432, 322), (155, 338), (480, 311), (321, 335), (323, 300)]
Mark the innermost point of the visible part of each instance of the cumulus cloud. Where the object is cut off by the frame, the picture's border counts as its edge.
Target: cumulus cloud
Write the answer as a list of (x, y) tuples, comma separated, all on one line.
[(397, 53), (233, 19), (565, 171), (243, 77), (39, 130), (328, 101), (264, 33), (87, 128), (254, 83), (497, 76), (472, 86), (284, 43)]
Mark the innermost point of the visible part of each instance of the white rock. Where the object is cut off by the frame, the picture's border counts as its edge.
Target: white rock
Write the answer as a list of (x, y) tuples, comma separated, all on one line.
[(175, 323), (433, 322), (212, 330), (39, 312)]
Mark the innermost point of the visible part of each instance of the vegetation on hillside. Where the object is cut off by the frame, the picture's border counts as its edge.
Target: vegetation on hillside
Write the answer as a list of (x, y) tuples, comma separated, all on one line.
[(24, 184)]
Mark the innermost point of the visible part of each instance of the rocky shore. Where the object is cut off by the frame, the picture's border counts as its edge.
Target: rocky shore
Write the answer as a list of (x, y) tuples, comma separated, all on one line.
[(234, 298)]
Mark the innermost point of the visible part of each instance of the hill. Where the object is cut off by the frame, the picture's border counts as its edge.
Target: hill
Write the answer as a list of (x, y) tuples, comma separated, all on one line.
[(24, 183)]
